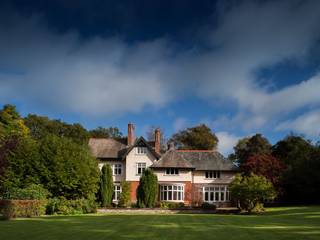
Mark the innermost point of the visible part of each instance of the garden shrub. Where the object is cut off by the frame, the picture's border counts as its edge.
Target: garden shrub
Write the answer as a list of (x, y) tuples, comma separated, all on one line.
[(22, 208), (124, 200), (172, 205), (64, 206), (147, 190), (208, 206), (31, 192)]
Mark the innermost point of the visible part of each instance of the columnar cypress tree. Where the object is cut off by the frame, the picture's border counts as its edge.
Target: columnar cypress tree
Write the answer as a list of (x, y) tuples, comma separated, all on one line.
[(106, 186), (148, 189)]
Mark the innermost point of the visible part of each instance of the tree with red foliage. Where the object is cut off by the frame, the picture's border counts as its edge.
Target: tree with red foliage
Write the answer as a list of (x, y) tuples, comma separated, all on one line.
[(265, 165)]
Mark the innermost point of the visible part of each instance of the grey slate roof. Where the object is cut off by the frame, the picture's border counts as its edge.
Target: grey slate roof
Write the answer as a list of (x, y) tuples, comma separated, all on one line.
[(172, 159), (198, 159), (106, 148)]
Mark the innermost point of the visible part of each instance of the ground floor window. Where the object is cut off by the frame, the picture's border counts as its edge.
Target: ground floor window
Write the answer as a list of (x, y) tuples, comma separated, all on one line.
[(117, 192), (171, 192), (216, 194)]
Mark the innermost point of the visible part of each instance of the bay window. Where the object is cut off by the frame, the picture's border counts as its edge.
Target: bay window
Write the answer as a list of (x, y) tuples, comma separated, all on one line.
[(171, 192), (216, 194)]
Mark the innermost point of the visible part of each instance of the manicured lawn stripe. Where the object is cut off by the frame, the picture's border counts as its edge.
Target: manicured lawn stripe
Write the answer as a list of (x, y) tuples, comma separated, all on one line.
[(278, 223)]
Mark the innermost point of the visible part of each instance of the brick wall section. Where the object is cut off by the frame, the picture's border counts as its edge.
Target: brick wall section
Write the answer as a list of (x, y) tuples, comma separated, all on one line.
[(133, 189), (188, 193)]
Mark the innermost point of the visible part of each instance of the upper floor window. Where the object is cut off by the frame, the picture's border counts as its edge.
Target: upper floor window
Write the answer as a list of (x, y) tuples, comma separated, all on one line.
[(117, 169), (141, 150), (212, 174), (172, 171), (140, 168)]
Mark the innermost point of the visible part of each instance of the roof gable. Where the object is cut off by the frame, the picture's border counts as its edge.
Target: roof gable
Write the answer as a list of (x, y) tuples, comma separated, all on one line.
[(141, 142)]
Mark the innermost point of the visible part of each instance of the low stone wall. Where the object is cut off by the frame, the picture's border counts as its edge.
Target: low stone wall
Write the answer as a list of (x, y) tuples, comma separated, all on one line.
[(166, 211)]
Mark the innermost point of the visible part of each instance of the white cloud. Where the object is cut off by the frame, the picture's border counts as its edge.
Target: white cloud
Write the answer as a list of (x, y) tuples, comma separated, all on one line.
[(179, 124), (226, 142), (308, 124), (107, 75)]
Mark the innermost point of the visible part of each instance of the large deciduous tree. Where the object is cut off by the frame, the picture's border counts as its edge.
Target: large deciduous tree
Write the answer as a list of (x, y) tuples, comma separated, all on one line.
[(69, 169), (148, 189), (265, 165), (106, 186), (301, 180), (249, 146), (199, 137)]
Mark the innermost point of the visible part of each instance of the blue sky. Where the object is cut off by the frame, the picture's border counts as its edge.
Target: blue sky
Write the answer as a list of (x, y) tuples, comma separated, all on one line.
[(241, 67)]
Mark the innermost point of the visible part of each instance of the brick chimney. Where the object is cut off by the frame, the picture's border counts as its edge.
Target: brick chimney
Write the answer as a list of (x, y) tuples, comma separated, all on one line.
[(157, 140), (131, 137)]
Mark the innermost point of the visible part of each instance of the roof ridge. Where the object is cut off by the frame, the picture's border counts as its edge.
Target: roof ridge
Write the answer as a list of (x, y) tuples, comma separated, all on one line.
[(194, 150)]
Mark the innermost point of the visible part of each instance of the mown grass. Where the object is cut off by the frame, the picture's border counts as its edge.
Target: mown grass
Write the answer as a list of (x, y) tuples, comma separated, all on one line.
[(277, 223)]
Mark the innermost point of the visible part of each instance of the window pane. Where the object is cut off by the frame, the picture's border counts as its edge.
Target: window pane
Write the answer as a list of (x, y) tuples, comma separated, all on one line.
[(206, 196), (211, 196), (165, 196), (216, 196), (169, 195), (222, 196), (174, 197)]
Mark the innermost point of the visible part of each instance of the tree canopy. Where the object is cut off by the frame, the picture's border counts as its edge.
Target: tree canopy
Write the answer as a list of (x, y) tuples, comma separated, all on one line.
[(199, 137), (102, 132), (41, 126), (249, 146)]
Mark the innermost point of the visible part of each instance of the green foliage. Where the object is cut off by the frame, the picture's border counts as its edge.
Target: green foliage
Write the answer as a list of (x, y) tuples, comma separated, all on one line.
[(208, 206), (147, 190), (249, 146), (198, 137), (20, 164), (172, 205), (64, 206), (22, 208), (41, 126), (301, 179), (106, 186), (70, 170), (11, 122), (124, 200), (31, 192), (251, 191), (101, 132)]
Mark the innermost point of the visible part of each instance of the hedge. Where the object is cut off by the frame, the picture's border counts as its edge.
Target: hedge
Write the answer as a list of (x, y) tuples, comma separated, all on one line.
[(67, 207), (22, 208)]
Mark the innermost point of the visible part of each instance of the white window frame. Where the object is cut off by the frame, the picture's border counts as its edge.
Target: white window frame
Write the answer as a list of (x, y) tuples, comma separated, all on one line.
[(117, 169), (216, 174), (141, 150), (142, 166), (117, 192), (172, 171), (214, 193), (172, 192)]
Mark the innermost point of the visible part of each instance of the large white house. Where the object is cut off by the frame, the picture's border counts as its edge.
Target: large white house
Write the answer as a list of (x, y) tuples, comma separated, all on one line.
[(189, 176)]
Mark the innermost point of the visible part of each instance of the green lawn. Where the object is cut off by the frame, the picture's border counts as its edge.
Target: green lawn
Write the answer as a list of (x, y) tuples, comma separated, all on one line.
[(278, 223)]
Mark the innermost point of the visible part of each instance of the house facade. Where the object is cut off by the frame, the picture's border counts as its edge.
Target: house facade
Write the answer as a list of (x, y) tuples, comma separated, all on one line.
[(188, 176)]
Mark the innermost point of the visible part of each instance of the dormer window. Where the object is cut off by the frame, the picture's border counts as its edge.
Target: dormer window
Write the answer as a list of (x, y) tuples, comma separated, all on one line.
[(212, 174), (141, 150), (172, 171)]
